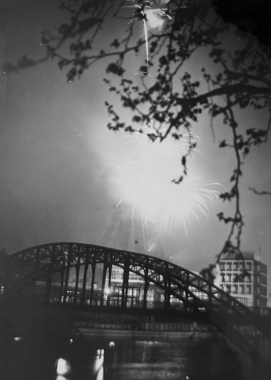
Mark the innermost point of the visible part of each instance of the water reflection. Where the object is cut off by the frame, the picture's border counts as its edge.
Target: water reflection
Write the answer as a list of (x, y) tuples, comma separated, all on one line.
[(132, 359), (63, 367), (98, 368)]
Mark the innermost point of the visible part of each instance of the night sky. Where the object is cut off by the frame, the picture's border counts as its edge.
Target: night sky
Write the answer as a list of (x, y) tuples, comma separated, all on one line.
[(58, 160)]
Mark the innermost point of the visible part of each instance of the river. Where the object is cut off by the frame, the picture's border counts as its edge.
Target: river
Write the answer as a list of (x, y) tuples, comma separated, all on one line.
[(123, 358)]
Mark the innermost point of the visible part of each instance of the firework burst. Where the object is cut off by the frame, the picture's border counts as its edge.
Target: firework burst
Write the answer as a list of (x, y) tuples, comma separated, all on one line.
[(147, 181)]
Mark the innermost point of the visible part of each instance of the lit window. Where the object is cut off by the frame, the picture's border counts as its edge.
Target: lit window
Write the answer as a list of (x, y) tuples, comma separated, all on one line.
[(241, 289)]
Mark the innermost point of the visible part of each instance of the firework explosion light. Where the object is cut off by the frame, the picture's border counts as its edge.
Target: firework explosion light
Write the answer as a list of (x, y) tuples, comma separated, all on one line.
[(147, 182), (153, 16)]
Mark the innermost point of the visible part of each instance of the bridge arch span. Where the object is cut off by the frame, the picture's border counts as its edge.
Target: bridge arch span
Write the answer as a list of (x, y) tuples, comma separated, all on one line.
[(43, 261)]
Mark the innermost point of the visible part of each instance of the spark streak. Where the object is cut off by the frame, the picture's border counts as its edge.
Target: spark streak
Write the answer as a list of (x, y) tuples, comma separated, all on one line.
[(147, 183), (153, 17)]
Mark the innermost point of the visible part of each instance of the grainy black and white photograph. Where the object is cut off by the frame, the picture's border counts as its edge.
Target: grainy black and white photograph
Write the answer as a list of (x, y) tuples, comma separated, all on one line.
[(135, 190)]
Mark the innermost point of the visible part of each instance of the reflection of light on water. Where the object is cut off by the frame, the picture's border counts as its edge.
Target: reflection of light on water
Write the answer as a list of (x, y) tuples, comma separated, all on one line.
[(100, 374), (98, 364), (60, 377), (150, 342), (17, 338), (63, 367)]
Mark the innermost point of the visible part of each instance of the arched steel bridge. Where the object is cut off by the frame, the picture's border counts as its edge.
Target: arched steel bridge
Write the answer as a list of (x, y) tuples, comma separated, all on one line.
[(174, 285)]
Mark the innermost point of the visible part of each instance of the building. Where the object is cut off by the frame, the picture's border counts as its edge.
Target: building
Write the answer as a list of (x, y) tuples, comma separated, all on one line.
[(245, 279)]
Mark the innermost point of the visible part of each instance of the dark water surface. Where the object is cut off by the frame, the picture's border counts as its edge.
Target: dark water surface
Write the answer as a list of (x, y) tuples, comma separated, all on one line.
[(94, 358)]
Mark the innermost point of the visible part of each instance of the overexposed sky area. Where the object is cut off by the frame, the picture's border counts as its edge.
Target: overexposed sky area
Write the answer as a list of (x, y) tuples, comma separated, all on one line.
[(59, 164)]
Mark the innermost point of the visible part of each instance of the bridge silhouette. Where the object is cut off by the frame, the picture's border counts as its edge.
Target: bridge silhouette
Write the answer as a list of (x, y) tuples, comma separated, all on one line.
[(77, 266)]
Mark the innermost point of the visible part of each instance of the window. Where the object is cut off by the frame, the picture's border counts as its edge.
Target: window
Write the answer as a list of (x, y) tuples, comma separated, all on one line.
[(228, 277), (235, 265), (228, 288), (263, 268), (222, 277), (222, 266), (117, 274), (248, 265), (228, 266), (241, 266), (235, 289), (241, 289), (248, 289)]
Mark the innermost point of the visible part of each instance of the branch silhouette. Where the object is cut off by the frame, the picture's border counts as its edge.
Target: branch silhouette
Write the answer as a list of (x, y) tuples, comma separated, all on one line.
[(169, 96)]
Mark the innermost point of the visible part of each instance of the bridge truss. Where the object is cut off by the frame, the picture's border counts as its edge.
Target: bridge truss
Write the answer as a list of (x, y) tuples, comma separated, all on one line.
[(192, 291)]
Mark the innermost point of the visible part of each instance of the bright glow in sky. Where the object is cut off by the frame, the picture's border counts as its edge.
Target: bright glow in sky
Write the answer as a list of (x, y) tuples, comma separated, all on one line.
[(147, 182), (58, 159)]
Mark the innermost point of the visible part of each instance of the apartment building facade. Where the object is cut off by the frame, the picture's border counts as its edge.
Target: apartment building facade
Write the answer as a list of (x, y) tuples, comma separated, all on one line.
[(245, 279)]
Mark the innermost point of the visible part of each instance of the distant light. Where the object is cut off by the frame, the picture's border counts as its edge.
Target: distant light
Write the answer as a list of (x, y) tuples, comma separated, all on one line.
[(71, 341), (107, 291), (111, 344), (63, 367), (17, 338)]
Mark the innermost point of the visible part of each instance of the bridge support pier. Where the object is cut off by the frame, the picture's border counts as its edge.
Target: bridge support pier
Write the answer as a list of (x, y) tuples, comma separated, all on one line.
[(103, 282), (77, 269), (49, 275), (125, 282), (85, 278), (109, 279), (67, 274), (62, 273), (146, 286), (93, 267), (167, 294)]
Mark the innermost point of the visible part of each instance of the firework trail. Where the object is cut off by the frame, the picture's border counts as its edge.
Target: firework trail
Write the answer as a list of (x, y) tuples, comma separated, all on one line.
[(152, 15)]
